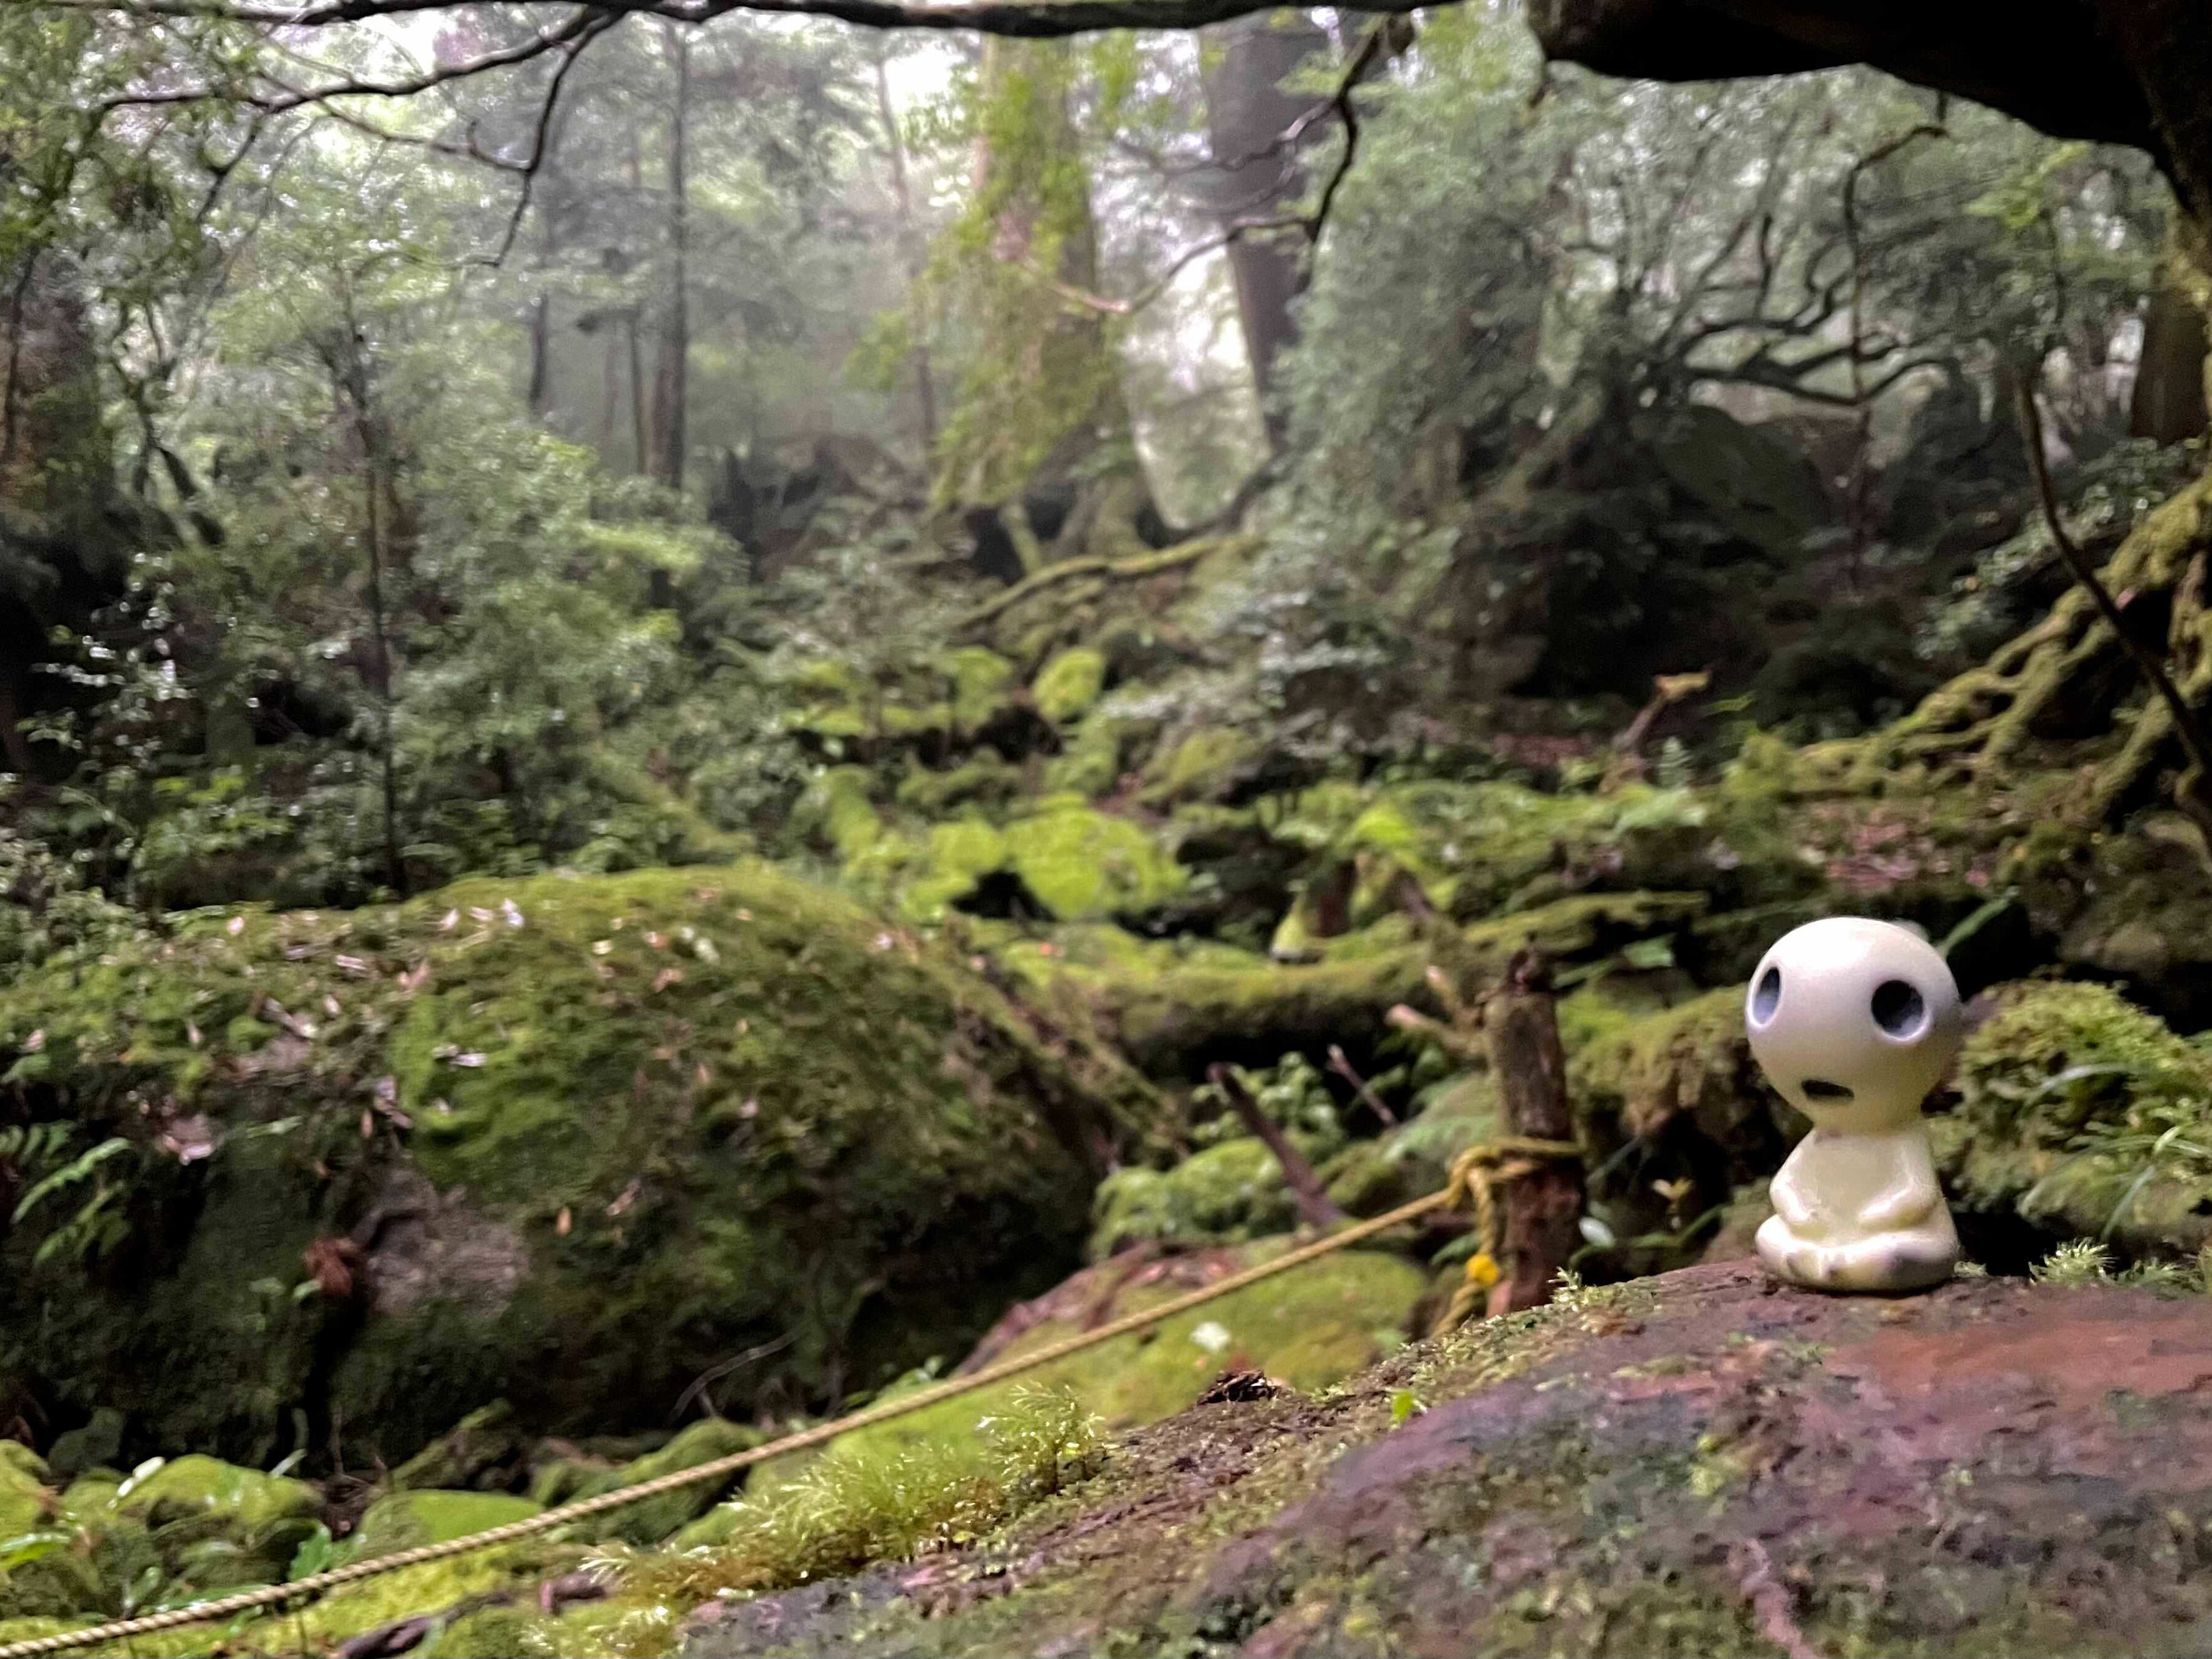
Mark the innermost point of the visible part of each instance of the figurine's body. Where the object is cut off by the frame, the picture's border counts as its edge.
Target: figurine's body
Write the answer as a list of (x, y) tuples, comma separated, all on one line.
[(1853, 1022)]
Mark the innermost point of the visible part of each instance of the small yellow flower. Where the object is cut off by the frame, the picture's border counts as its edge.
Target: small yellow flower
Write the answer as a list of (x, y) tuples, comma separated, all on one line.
[(1481, 1270)]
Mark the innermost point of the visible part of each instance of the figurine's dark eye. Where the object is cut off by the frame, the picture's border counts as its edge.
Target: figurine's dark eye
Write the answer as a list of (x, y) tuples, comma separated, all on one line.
[(1899, 1009), (1767, 996)]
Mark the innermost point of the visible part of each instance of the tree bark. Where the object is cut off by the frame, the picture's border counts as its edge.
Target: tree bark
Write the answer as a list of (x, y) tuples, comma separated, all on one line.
[(1246, 113), (1520, 1029), (2168, 401), (910, 249), (670, 389)]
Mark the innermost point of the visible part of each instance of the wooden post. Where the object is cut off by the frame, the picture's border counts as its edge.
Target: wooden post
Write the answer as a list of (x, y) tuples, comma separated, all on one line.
[(1520, 1029)]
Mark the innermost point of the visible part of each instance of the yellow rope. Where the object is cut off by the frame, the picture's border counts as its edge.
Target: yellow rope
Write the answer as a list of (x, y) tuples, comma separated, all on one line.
[(315, 1584), (1476, 1174)]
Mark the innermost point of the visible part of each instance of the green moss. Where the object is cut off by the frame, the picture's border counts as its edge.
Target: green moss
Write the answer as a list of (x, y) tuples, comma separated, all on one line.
[(1090, 766), (1067, 686), (403, 1520), (1370, 1177), (1205, 765), (960, 854), (981, 679), (2082, 1114), (651, 1120), (479, 1443), (1081, 863), (1307, 1328), (984, 779), (197, 1486), (1225, 1194), (657, 1518), (25, 1498), (838, 808)]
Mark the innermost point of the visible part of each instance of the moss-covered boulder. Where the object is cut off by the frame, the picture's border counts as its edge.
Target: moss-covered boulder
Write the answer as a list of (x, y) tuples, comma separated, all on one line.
[(1224, 1194), (567, 1141), (1080, 864), (403, 1520), (1067, 685), (1684, 1466), (2081, 1115)]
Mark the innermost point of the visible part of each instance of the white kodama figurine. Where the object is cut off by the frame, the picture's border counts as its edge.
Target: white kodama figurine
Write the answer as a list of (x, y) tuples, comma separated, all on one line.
[(1854, 1021)]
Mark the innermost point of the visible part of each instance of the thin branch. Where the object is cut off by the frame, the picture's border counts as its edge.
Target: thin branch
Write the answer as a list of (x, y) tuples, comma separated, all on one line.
[(1306, 1190), (586, 20)]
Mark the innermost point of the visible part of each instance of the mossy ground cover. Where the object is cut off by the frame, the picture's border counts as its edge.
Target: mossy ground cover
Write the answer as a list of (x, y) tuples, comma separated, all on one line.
[(569, 1141)]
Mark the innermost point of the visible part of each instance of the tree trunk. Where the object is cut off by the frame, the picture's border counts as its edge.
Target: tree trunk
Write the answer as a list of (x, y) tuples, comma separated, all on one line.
[(669, 387), (541, 356), (1246, 113), (910, 249), (2168, 403), (1520, 1029), (640, 441)]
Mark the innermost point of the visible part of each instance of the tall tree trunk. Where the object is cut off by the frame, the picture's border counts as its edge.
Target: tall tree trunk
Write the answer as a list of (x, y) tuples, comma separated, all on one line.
[(640, 441), (2168, 403), (610, 383), (1044, 395), (669, 388), (1246, 113), (356, 383), (910, 248)]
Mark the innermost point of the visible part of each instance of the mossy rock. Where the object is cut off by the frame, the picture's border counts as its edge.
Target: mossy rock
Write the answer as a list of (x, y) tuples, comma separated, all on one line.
[(406, 1519), (960, 854), (985, 781), (196, 1487), (1080, 864), (1610, 1476), (1067, 686), (1089, 766), (1206, 765), (1225, 1194), (836, 809), (474, 1452), (2057, 1070), (617, 1129)]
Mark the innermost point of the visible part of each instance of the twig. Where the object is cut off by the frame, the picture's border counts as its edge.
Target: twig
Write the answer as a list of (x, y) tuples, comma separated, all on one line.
[(1342, 1066), (1305, 1186)]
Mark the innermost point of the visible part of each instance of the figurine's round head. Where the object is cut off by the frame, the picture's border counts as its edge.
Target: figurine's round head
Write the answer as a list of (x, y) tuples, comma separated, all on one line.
[(1853, 1019)]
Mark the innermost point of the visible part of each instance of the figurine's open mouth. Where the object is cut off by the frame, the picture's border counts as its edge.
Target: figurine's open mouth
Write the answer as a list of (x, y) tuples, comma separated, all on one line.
[(1819, 1088)]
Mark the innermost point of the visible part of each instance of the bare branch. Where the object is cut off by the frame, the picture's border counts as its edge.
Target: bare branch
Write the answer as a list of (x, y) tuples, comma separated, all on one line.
[(1024, 19)]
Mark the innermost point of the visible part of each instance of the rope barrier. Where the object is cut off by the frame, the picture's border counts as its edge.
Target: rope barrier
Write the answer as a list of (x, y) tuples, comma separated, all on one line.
[(1474, 1175)]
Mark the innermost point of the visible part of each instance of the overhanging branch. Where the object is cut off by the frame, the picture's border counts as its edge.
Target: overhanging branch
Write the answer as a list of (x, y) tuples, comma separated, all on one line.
[(1024, 19)]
